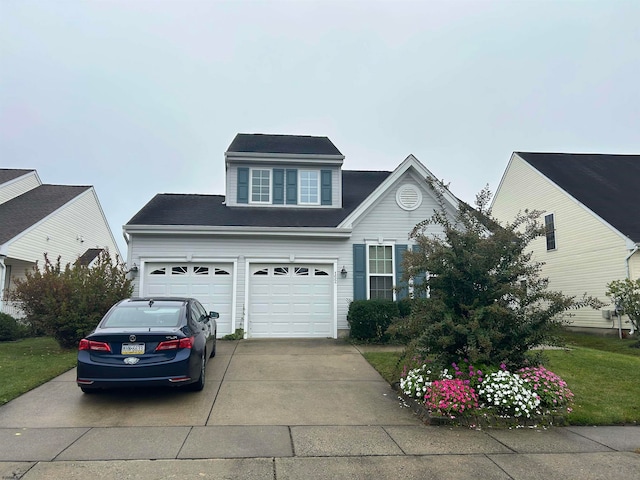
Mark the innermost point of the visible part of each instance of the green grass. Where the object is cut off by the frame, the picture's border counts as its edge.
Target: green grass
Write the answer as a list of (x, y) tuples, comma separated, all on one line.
[(25, 364), (602, 372)]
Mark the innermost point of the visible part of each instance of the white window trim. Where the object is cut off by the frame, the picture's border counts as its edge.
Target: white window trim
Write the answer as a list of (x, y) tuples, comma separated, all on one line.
[(251, 200), (318, 175), (393, 267)]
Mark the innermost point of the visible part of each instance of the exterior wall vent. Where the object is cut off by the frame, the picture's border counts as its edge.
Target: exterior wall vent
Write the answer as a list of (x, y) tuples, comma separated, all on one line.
[(409, 197)]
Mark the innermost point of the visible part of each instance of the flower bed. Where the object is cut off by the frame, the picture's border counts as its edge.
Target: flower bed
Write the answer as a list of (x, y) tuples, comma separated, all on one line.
[(500, 399)]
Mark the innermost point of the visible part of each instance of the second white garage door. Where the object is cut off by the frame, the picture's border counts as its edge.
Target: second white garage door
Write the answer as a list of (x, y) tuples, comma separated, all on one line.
[(291, 300)]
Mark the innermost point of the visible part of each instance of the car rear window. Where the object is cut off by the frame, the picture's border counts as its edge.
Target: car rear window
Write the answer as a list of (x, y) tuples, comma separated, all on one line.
[(143, 316)]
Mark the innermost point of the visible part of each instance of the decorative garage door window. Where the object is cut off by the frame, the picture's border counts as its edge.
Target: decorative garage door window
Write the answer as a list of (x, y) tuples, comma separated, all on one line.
[(159, 271), (181, 270), (281, 271)]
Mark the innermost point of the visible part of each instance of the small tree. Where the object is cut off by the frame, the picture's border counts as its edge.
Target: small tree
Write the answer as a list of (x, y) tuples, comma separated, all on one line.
[(67, 303), (483, 298), (626, 295)]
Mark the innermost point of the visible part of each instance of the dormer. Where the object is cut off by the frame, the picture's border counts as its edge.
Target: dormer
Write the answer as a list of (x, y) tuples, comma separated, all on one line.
[(283, 171)]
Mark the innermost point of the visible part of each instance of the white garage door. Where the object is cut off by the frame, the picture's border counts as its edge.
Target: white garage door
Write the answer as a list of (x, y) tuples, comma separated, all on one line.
[(291, 300), (211, 284)]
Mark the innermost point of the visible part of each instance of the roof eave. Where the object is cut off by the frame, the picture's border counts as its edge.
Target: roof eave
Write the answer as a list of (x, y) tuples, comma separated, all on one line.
[(325, 232), (292, 157)]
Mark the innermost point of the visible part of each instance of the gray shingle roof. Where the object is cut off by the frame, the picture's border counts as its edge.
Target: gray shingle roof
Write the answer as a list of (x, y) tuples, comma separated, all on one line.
[(209, 210), (8, 174), (26, 210), (606, 184), (287, 144)]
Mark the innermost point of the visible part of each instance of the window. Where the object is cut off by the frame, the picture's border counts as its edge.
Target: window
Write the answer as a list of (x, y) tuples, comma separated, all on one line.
[(309, 187), (281, 271), (550, 229), (198, 270), (380, 271), (301, 271), (260, 186), (178, 270)]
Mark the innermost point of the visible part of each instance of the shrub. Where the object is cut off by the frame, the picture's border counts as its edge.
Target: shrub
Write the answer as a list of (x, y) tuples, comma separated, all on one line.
[(67, 303), (369, 319), (11, 329), (451, 396)]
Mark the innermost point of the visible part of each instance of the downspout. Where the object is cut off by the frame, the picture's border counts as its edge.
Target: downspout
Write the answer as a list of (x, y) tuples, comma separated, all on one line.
[(3, 273), (626, 260)]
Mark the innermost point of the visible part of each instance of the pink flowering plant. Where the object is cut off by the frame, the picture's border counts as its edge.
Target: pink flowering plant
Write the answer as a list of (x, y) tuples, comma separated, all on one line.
[(450, 397), (552, 391)]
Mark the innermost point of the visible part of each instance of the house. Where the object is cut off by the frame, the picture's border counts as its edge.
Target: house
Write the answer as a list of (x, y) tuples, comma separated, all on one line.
[(36, 218), (295, 239), (591, 209)]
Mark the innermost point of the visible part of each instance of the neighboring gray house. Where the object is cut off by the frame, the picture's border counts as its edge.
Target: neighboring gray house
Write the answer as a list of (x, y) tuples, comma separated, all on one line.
[(591, 209), (295, 239), (35, 218)]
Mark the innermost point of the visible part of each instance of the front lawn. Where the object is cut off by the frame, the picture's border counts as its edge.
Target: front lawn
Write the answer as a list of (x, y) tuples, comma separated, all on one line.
[(27, 363), (605, 382)]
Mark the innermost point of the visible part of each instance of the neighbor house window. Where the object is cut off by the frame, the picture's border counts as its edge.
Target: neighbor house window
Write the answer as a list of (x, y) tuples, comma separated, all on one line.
[(380, 271), (260, 186), (550, 230), (309, 187)]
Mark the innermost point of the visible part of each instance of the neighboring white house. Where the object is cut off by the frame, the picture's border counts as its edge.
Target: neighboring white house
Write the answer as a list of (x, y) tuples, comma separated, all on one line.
[(591, 209), (59, 220), (293, 242)]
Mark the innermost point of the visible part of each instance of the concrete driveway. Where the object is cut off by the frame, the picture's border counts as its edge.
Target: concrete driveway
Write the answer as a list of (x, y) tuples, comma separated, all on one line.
[(282, 409)]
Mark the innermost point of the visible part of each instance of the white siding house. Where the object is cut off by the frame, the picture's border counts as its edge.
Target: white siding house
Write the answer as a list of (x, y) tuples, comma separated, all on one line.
[(591, 206), (59, 220), (293, 242)]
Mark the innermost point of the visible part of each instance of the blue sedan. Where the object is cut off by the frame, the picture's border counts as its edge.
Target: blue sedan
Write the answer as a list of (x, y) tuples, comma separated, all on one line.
[(148, 342)]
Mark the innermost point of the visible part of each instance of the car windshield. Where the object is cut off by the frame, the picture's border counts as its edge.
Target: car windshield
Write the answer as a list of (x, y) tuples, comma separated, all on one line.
[(143, 316)]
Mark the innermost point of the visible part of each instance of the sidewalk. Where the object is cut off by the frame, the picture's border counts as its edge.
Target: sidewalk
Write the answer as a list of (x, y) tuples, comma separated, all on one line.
[(284, 410)]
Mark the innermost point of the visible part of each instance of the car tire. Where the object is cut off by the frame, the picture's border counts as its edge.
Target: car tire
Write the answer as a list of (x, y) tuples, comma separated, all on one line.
[(88, 390), (213, 348), (198, 385)]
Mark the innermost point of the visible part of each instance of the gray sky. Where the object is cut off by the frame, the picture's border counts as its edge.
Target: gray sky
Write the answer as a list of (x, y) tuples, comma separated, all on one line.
[(143, 97)]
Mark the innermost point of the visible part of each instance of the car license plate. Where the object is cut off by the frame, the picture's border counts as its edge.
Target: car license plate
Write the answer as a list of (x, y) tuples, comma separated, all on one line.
[(132, 349)]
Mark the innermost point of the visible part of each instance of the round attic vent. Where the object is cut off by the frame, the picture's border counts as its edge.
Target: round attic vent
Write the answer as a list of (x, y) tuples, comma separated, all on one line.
[(409, 197)]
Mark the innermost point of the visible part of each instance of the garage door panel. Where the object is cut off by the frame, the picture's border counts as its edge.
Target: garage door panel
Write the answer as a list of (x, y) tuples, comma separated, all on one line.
[(195, 280)]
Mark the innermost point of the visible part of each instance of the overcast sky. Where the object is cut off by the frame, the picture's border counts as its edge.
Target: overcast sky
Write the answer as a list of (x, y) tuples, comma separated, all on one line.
[(144, 97)]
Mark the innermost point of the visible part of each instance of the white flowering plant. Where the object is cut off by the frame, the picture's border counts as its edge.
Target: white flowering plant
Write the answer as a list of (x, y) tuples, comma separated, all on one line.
[(416, 381), (508, 394)]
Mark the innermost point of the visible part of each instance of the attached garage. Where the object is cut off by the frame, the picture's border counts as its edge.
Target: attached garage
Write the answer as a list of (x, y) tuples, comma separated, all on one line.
[(210, 283), (291, 300)]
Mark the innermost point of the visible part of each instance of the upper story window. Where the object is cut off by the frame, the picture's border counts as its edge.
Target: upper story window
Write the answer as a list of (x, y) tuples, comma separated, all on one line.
[(260, 186), (309, 187), (550, 231)]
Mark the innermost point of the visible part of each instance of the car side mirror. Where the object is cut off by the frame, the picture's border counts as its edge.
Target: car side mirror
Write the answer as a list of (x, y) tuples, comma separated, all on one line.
[(214, 315)]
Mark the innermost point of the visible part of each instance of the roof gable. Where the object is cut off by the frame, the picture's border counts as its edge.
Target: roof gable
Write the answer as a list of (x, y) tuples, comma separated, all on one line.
[(282, 144), (605, 184), (8, 174), (24, 211)]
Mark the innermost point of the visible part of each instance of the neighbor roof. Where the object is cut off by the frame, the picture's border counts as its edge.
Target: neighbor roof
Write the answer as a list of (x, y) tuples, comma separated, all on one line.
[(287, 144), (210, 210), (606, 184), (24, 211), (8, 174)]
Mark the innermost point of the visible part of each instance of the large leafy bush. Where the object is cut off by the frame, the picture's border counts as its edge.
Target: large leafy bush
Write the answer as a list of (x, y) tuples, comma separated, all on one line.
[(485, 299), (68, 302)]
